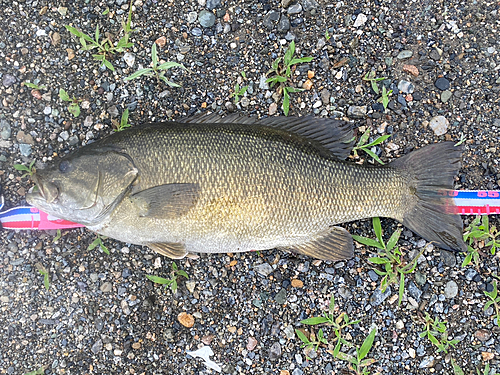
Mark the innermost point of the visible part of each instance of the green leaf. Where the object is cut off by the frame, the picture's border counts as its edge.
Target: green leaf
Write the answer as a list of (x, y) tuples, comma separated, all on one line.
[(467, 260), (300, 61), (401, 288), (124, 119), (456, 369), (74, 109), (373, 155), (99, 57), (170, 83), (293, 89), (302, 337), (170, 64), (139, 73), (378, 140), (108, 65), (367, 345), (105, 12), (40, 371), (315, 320), (103, 248), (393, 240), (58, 236), (63, 95), (367, 242), (21, 167), (183, 273), (97, 34), (289, 53), (173, 285), (158, 280), (377, 228), (154, 56), (74, 31), (286, 101), (432, 339), (377, 260)]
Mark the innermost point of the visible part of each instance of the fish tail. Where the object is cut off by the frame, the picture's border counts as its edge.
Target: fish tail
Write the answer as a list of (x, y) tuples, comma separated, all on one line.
[(430, 171)]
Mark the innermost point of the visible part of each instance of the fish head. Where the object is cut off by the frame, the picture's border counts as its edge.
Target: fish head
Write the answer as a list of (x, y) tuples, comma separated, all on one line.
[(84, 187)]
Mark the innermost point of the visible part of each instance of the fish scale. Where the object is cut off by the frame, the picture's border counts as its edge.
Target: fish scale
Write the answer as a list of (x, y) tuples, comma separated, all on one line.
[(231, 187)]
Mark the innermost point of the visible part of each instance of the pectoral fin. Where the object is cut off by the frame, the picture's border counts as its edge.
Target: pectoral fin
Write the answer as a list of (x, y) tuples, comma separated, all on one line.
[(171, 250), (335, 244), (168, 201)]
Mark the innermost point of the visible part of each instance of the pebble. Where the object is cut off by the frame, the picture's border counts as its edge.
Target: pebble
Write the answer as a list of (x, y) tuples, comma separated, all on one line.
[(96, 348), (446, 95), (213, 4), (307, 85), (414, 291), (273, 108), (8, 80), (309, 5), (470, 273), (129, 59), (106, 287), (206, 18), (192, 17), (357, 111), (406, 87), (283, 24), (252, 343), (190, 285), (439, 125), (482, 335), (412, 69), (263, 85), (406, 54), (275, 351), (294, 9), (378, 297), (442, 83), (360, 20), (427, 362), (263, 269), (325, 96), (270, 19), (400, 324), (187, 320), (25, 149), (297, 283), (449, 258), (451, 289), (5, 129)]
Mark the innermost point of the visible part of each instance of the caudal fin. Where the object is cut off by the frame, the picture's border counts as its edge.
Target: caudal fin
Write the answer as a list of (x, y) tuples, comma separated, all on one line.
[(430, 170)]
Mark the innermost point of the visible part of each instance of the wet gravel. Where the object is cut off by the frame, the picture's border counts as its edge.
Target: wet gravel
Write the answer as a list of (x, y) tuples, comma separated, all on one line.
[(102, 315)]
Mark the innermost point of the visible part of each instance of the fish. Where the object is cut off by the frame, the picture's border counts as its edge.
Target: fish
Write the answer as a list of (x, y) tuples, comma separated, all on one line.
[(223, 185)]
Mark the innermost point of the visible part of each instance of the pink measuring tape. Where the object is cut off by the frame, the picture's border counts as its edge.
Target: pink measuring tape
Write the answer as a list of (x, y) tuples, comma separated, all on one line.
[(467, 202)]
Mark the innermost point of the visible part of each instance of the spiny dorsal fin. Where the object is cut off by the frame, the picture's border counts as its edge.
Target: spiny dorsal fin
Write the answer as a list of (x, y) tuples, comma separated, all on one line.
[(334, 135), (171, 250)]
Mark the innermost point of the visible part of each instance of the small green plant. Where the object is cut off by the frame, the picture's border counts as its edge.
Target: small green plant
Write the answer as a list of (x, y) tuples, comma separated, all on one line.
[(480, 230), (327, 35), (123, 122), (384, 99), (239, 91), (106, 47), (35, 87), (494, 300), (30, 170), (172, 282), (462, 139), (58, 236), (98, 242), (45, 274), (73, 107), (390, 258), (370, 77), (358, 363), (434, 329), (282, 72), (40, 371), (362, 145), (156, 70), (338, 324), (312, 342), (458, 371)]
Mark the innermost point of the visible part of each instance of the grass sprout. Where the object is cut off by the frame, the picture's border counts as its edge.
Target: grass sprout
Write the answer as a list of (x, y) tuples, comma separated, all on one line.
[(494, 300), (98, 242), (366, 147), (359, 363), (436, 333), (172, 282), (73, 107), (123, 124), (30, 170)]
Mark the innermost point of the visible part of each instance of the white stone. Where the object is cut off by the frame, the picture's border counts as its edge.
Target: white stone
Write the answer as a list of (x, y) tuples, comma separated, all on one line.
[(360, 20), (439, 125)]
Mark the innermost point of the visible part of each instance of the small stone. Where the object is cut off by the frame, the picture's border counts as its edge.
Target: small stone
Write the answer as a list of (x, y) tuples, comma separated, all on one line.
[(252, 343), (294, 9), (378, 297), (5, 129), (161, 41), (487, 356), (400, 324), (307, 85), (297, 283), (136, 345), (325, 96), (206, 18), (427, 362), (357, 111), (309, 5), (71, 53), (420, 278), (412, 69), (187, 320), (213, 4), (451, 289), (62, 10), (270, 19), (207, 340), (192, 17), (272, 109), (360, 20), (280, 296), (449, 258), (190, 285), (55, 39), (231, 329), (106, 287), (482, 335), (412, 352), (439, 125), (310, 74), (442, 83), (406, 54), (283, 24), (8, 80), (263, 269), (446, 95), (24, 149), (406, 87), (275, 351), (470, 273), (129, 59), (96, 348)]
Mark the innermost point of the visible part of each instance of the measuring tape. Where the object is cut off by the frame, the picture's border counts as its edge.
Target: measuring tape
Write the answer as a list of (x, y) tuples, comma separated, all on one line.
[(466, 202)]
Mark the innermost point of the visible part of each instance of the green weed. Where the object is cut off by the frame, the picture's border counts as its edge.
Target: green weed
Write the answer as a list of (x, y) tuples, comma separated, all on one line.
[(390, 258), (33, 86), (494, 300), (40, 371), (358, 363), (172, 282), (437, 333), (458, 371), (123, 124), (370, 77), (106, 47), (480, 231), (281, 69), (30, 170), (98, 242), (312, 342), (156, 70), (338, 324), (73, 107), (45, 274), (327, 35), (58, 236), (462, 139), (239, 91), (362, 145)]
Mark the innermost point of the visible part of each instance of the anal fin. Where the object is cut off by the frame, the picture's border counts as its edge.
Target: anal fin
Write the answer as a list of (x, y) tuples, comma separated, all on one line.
[(334, 244), (170, 250)]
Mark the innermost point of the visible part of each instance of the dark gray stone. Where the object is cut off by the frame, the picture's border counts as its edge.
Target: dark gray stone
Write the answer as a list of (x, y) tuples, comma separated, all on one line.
[(442, 84), (283, 24), (206, 18)]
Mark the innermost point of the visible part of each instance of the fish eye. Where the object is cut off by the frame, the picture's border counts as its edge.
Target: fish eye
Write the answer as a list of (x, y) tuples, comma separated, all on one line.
[(64, 166)]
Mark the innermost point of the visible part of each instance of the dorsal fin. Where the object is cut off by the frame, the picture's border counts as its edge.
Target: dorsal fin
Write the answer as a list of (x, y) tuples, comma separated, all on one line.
[(334, 135)]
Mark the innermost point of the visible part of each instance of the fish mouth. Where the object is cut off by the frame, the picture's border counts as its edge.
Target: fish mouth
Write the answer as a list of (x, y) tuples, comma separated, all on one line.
[(47, 190)]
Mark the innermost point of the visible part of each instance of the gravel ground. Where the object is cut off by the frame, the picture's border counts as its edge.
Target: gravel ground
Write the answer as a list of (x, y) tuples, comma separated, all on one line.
[(101, 314)]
